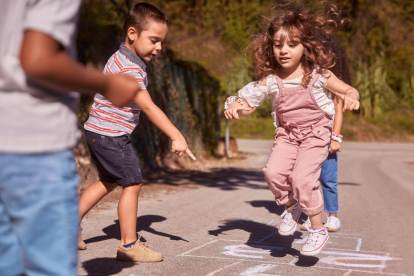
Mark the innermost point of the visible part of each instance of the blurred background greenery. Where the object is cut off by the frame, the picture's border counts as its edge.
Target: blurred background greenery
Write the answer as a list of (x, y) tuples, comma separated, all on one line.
[(208, 41)]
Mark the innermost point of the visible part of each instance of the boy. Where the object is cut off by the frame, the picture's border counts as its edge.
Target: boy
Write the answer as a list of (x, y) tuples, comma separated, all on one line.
[(38, 129), (108, 128)]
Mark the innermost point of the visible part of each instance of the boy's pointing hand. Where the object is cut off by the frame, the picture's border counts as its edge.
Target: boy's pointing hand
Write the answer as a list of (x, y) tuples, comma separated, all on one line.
[(189, 153), (180, 147)]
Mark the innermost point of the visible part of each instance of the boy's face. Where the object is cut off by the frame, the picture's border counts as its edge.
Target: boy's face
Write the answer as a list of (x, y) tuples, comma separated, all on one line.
[(147, 44)]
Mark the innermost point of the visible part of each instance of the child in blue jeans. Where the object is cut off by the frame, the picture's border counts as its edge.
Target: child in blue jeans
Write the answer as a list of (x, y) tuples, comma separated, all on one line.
[(329, 173)]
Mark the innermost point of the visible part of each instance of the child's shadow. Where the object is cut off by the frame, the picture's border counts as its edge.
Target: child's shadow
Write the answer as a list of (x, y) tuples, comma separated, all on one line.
[(273, 208), (143, 224), (105, 266), (265, 237)]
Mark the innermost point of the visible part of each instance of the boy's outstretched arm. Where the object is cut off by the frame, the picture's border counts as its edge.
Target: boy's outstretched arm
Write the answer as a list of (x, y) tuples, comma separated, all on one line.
[(160, 120), (45, 61), (335, 146)]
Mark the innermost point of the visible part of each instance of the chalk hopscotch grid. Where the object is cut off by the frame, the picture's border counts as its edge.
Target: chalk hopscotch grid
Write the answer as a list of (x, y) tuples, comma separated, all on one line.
[(289, 263)]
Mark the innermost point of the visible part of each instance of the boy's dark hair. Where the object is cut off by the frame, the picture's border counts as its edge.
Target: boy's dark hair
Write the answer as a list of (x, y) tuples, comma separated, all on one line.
[(140, 15)]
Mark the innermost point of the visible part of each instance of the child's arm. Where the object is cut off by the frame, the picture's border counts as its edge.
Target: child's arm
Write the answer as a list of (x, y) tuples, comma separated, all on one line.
[(236, 109), (347, 93), (335, 145), (45, 61), (160, 120)]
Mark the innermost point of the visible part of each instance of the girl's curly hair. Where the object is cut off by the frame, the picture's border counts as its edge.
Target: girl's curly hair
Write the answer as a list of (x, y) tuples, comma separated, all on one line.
[(310, 28)]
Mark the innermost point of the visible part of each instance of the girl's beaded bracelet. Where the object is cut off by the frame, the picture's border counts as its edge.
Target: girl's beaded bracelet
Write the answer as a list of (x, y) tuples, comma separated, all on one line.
[(231, 99), (336, 137)]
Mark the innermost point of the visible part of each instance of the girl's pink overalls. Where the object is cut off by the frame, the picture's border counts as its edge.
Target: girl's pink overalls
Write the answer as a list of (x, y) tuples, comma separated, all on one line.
[(300, 148)]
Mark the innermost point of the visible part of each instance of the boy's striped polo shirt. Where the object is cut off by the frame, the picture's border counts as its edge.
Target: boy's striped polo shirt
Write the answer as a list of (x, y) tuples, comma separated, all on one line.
[(107, 119)]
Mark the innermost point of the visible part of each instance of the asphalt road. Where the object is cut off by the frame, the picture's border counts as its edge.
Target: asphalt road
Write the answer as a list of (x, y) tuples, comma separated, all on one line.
[(224, 221)]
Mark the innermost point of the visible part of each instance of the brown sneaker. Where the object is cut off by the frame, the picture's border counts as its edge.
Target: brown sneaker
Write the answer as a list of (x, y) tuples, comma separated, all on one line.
[(81, 243), (140, 252)]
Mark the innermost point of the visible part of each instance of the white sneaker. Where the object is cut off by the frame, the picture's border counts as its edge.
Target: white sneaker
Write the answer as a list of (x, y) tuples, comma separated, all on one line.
[(316, 241), (333, 224), (289, 222), (306, 225)]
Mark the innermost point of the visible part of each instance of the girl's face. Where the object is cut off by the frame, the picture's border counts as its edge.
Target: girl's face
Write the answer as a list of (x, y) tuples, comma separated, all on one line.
[(288, 52), (147, 44)]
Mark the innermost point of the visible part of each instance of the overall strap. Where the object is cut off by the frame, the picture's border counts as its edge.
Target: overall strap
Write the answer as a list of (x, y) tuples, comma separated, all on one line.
[(279, 81), (315, 78)]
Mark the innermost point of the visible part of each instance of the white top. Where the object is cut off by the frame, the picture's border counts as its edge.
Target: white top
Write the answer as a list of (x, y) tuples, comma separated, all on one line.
[(255, 94), (34, 119)]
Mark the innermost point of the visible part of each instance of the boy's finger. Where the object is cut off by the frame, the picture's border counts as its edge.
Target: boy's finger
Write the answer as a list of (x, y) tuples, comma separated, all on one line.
[(189, 153)]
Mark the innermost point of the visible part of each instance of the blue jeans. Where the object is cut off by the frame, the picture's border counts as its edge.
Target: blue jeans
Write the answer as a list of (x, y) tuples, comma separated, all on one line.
[(329, 181), (38, 214)]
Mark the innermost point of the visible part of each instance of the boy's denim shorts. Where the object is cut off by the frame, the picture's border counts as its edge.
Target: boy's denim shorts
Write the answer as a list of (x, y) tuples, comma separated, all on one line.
[(114, 158), (39, 214)]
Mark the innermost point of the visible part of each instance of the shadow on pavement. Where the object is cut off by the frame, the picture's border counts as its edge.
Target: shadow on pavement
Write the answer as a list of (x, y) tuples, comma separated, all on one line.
[(273, 208), (105, 266), (349, 183), (227, 179), (143, 224), (263, 236)]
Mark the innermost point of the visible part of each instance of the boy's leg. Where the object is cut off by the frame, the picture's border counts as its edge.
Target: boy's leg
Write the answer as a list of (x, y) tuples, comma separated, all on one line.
[(39, 193), (127, 213), (92, 195), (329, 181)]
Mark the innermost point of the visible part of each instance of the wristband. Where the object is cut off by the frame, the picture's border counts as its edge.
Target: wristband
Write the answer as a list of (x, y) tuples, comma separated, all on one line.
[(231, 99), (339, 140), (337, 135)]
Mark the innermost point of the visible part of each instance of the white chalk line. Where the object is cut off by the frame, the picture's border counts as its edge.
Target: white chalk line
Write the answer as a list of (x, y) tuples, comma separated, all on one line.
[(223, 268), (347, 273), (358, 247), (201, 246), (383, 263), (294, 261), (279, 263), (276, 244), (265, 238)]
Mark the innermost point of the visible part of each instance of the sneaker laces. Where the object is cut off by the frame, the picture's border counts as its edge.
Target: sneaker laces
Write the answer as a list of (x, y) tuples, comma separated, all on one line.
[(313, 234), (143, 244), (286, 216)]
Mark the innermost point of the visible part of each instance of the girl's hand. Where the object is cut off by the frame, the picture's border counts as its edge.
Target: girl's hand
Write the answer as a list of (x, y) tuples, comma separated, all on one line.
[(351, 102), (232, 112), (335, 147), (179, 147)]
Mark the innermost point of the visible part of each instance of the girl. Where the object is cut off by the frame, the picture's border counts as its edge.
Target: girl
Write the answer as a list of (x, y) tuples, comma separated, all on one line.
[(291, 61)]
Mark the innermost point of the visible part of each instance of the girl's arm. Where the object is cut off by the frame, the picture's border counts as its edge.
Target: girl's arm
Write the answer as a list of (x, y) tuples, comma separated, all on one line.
[(242, 108), (347, 93), (335, 145)]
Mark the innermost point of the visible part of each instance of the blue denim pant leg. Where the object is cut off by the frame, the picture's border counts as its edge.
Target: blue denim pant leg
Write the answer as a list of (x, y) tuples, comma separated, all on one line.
[(329, 181), (39, 214)]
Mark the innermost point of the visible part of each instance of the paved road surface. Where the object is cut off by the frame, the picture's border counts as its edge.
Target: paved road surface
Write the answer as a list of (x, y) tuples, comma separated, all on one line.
[(224, 222)]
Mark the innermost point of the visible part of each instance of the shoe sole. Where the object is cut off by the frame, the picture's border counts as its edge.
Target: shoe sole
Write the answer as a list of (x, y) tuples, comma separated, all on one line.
[(288, 233), (317, 251), (129, 261), (333, 229)]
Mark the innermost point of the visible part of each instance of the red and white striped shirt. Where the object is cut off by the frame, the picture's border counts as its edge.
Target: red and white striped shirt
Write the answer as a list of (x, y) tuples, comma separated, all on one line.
[(107, 119)]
